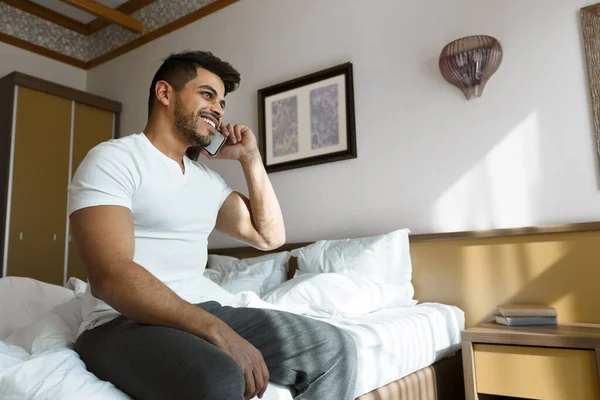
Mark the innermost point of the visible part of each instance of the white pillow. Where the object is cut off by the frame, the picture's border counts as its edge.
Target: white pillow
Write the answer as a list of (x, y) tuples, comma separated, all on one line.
[(257, 274), (215, 276), (332, 295), (384, 259), (254, 278)]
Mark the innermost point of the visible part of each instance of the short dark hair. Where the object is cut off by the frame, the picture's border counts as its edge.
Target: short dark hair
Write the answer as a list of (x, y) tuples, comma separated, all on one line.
[(180, 68)]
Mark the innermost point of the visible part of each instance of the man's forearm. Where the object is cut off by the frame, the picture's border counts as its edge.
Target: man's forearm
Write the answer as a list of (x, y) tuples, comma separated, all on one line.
[(265, 210), (139, 295)]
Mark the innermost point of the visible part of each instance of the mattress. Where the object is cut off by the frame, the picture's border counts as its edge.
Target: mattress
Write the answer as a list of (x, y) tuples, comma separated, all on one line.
[(396, 342)]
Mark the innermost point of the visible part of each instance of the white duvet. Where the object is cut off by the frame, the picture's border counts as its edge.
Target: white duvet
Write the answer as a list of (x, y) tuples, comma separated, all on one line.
[(38, 325)]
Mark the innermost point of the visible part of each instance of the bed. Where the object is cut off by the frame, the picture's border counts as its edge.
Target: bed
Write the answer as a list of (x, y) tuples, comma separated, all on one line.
[(405, 352), (435, 376)]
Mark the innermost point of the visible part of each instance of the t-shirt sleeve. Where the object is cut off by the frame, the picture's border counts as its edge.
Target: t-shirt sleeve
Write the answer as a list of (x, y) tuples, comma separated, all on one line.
[(223, 189), (106, 176)]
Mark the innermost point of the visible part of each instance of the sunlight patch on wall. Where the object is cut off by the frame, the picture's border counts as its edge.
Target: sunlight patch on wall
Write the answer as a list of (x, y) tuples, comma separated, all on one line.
[(569, 302), (509, 271), (497, 191)]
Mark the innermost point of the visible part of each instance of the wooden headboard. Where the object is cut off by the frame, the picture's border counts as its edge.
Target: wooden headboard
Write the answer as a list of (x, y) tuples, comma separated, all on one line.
[(558, 265)]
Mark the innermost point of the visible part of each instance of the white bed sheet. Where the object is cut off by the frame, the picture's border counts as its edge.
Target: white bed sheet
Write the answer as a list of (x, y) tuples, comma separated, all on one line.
[(37, 361), (394, 343)]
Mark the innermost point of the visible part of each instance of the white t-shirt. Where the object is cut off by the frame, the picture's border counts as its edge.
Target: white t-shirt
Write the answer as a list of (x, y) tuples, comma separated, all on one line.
[(173, 213)]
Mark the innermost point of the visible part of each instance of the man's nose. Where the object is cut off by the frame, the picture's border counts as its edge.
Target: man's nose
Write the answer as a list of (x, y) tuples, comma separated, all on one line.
[(217, 110)]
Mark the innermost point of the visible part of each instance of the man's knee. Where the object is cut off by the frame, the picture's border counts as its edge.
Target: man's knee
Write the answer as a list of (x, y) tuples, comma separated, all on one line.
[(347, 346), (350, 344), (225, 381), (340, 344)]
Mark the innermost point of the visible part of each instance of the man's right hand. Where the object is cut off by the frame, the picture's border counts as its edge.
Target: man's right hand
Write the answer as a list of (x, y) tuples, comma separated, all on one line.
[(248, 358)]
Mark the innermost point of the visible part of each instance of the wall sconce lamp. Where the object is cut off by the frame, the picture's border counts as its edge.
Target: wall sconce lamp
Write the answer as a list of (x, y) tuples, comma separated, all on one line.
[(469, 62)]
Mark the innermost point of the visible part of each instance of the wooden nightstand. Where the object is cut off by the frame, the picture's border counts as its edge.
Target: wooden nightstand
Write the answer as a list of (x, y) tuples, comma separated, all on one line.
[(539, 362)]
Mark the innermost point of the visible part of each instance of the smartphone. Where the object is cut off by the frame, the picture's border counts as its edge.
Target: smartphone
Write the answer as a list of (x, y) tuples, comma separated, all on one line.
[(217, 142)]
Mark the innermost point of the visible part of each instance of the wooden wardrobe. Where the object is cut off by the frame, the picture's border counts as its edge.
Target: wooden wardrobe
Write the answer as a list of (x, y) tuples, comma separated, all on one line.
[(46, 130)]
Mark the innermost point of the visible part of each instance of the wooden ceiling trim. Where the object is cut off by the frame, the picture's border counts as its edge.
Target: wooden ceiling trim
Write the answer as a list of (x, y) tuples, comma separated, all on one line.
[(49, 15), (173, 26), (146, 38), (107, 13), (128, 8), (41, 50)]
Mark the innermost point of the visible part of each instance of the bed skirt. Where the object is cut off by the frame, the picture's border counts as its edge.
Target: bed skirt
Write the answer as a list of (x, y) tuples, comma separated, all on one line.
[(442, 380)]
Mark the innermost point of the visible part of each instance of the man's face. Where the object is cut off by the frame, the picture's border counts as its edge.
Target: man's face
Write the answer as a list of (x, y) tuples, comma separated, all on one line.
[(199, 108)]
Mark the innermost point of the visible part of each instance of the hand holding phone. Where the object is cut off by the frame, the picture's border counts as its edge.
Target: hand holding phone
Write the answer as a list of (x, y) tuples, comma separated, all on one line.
[(216, 144)]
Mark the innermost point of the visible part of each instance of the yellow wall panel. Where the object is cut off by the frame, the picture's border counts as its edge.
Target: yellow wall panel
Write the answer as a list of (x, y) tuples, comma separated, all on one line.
[(557, 269)]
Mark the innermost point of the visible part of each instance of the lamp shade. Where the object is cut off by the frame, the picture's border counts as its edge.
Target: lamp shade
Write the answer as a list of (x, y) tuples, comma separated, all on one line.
[(469, 62)]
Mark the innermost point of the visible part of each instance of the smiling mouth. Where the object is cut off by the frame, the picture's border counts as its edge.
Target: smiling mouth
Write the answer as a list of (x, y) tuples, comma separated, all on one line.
[(209, 122)]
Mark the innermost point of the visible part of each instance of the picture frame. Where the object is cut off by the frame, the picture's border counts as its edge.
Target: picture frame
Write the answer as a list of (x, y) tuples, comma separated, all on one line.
[(308, 120)]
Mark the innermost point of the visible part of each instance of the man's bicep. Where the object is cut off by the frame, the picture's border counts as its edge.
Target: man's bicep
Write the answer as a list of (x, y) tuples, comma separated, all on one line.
[(104, 237), (235, 220)]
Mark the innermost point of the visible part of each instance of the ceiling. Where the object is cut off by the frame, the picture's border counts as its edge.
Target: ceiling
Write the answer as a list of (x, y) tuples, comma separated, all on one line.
[(73, 12), (87, 33)]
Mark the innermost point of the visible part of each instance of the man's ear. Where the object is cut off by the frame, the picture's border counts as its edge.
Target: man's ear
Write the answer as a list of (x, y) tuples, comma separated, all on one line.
[(163, 92)]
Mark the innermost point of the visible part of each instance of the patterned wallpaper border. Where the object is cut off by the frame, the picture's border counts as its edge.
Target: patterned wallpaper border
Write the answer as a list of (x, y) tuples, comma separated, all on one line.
[(46, 34)]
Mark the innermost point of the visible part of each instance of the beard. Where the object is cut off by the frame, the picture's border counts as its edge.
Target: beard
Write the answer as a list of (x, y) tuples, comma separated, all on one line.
[(187, 125)]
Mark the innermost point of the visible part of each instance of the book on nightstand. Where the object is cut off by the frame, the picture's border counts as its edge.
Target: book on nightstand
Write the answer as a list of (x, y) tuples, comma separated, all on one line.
[(526, 310), (525, 321)]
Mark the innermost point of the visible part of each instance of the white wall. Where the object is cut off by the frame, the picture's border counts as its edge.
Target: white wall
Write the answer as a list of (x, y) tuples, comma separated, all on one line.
[(521, 155), (15, 59)]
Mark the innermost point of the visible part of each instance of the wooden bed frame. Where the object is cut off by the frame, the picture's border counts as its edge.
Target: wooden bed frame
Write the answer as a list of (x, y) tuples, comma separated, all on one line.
[(555, 265)]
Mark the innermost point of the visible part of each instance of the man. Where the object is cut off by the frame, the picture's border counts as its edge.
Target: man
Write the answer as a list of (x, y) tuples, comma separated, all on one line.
[(141, 211)]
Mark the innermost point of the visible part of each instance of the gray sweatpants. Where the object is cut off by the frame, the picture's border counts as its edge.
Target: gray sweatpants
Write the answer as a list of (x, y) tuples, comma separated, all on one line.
[(317, 360)]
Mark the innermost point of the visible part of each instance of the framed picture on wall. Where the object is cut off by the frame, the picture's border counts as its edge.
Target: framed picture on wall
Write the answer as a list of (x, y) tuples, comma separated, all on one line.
[(308, 120)]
